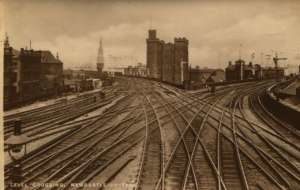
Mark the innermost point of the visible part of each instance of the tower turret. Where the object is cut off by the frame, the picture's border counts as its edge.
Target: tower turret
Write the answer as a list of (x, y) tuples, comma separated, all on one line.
[(6, 41)]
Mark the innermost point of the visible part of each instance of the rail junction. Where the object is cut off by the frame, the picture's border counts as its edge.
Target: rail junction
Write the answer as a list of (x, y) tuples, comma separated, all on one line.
[(147, 135)]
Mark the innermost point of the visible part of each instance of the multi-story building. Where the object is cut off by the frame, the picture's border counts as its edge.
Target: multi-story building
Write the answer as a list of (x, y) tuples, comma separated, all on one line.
[(52, 74), (167, 62), (11, 74), (140, 70), (41, 75), (30, 75), (241, 71), (272, 73), (234, 72)]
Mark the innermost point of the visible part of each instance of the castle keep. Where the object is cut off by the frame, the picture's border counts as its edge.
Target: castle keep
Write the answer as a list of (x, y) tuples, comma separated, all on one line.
[(167, 62)]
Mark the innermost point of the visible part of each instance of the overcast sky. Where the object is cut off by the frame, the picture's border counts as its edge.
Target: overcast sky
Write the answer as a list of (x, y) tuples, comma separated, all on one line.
[(215, 29)]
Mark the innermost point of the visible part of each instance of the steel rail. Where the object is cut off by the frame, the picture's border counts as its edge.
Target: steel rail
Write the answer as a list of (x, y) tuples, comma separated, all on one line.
[(204, 148), (198, 136), (155, 113), (34, 114), (219, 150), (236, 145), (143, 156), (107, 133), (220, 109), (182, 139), (59, 119), (162, 167), (75, 155), (75, 173), (245, 153), (56, 141), (269, 144)]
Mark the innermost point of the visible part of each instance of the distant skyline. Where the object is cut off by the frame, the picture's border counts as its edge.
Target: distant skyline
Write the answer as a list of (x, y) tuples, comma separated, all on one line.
[(215, 29)]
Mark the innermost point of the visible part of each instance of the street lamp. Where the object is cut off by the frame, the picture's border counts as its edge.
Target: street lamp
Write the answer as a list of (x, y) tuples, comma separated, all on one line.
[(16, 150)]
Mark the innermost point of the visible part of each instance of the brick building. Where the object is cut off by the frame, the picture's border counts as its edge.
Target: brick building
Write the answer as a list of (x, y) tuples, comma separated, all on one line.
[(140, 70), (200, 78), (52, 74), (239, 71), (30, 75), (167, 62), (242, 71), (271, 72), (234, 72), (81, 80), (11, 74)]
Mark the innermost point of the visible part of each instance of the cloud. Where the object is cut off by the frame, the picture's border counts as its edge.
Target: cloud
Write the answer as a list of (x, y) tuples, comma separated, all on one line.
[(215, 29)]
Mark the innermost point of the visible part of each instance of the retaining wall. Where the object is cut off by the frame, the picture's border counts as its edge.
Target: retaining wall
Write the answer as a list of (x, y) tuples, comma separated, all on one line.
[(280, 110)]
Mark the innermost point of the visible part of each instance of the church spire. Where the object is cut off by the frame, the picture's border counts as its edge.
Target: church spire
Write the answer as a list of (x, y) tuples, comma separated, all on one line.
[(100, 57)]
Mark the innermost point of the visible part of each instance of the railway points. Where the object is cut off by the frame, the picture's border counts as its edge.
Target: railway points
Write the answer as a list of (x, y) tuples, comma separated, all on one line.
[(148, 135)]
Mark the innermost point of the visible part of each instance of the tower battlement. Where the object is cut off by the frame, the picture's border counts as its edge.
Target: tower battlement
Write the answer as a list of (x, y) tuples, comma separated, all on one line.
[(152, 35), (181, 40)]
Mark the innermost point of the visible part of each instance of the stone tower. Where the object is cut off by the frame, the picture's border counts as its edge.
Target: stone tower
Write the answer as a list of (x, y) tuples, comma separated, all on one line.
[(154, 55), (181, 59), (168, 63)]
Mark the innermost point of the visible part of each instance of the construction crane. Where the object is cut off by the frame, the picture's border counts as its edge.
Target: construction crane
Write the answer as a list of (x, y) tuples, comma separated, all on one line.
[(276, 59)]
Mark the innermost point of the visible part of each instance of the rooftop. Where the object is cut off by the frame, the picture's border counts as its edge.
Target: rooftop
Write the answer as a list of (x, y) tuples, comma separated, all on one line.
[(48, 57)]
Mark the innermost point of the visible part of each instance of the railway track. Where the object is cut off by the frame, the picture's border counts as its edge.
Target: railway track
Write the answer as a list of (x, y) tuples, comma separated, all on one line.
[(187, 179), (187, 141), (152, 163), (275, 181), (87, 134), (57, 115), (283, 165), (49, 109), (268, 119), (55, 125)]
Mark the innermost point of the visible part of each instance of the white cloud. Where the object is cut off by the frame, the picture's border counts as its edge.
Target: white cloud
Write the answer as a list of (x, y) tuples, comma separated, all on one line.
[(214, 29)]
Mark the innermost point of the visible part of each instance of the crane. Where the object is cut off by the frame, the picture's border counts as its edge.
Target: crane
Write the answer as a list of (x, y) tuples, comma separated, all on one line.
[(276, 59)]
